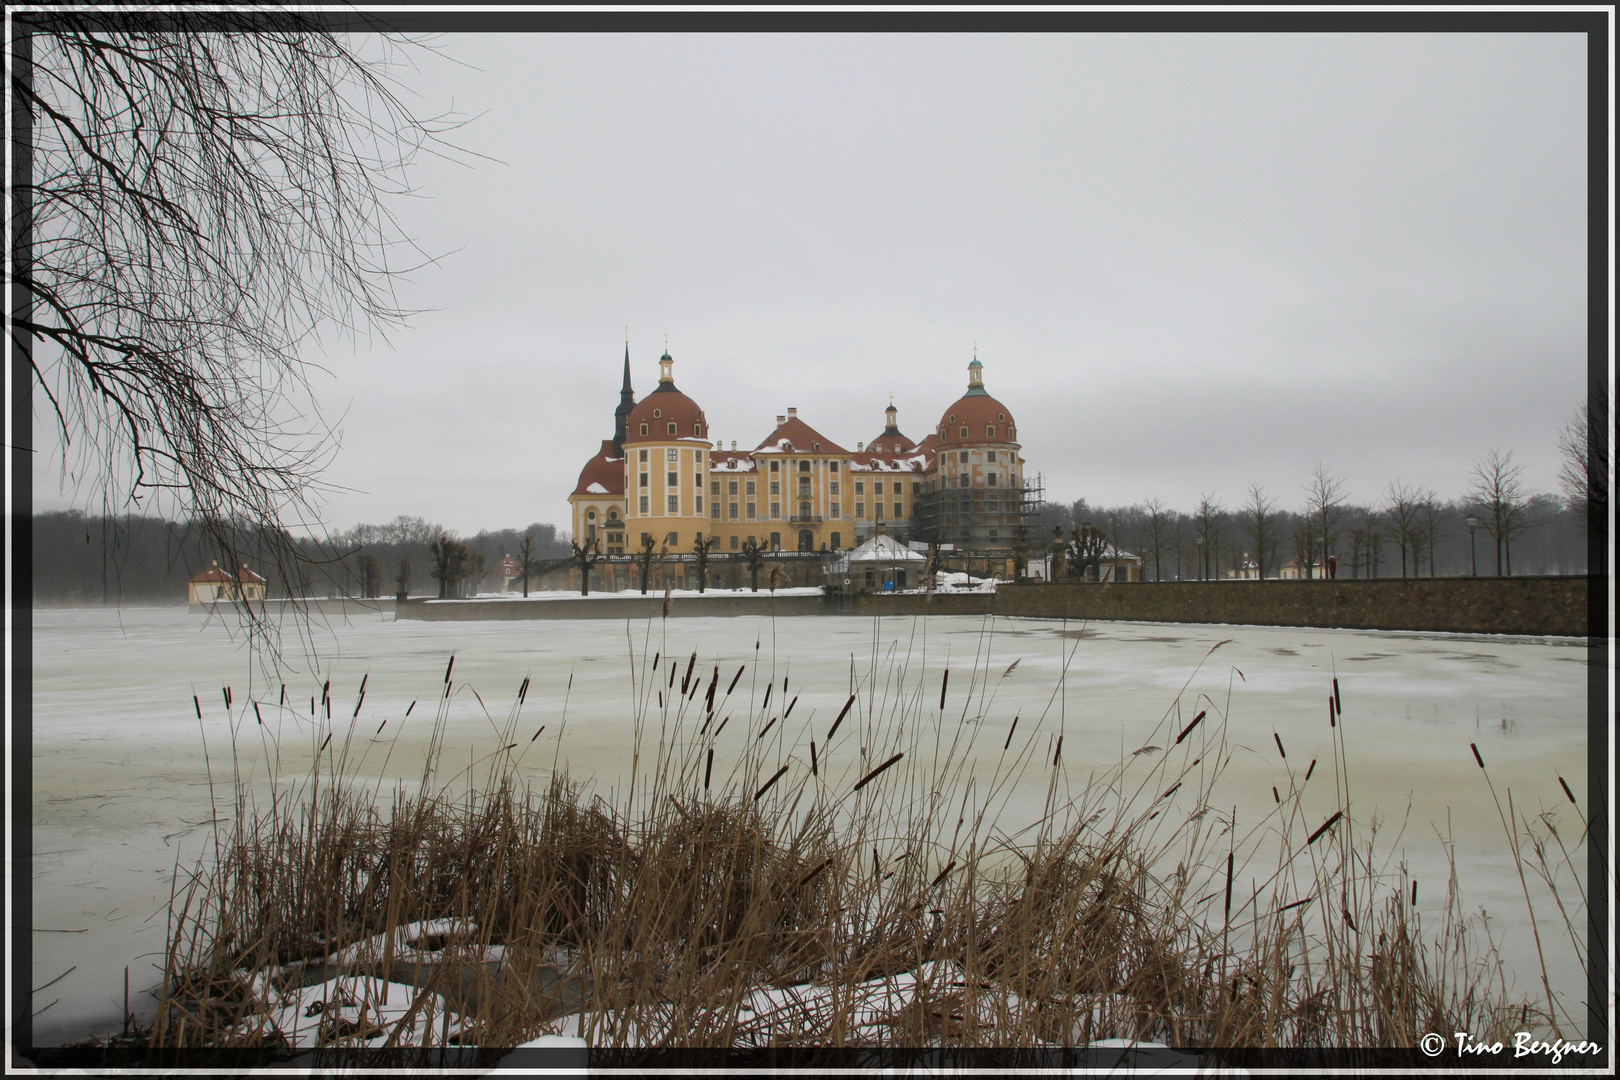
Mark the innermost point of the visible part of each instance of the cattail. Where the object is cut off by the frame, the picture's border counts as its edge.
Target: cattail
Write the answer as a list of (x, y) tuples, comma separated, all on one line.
[(257, 715), (1010, 732), (789, 709), (413, 705), (1276, 798), (687, 678), (1170, 792), (325, 741), (1199, 719), (771, 723), (1059, 751), (1229, 886), (1324, 827), (767, 702), (1295, 904), (841, 713), (1310, 770), (943, 874), (721, 728), (1333, 720), (1280, 749), (873, 775), (1338, 706), (671, 684), (708, 768), (943, 683), (382, 725), (734, 679), (1414, 894), (536, 735), (1477, 758), (284, 693), (523, 691), (362, 700), (769, 783), (656, 655), (225, 693), (1567, 793), (198, 705), (813, 771), (802, 882), (666, 602)]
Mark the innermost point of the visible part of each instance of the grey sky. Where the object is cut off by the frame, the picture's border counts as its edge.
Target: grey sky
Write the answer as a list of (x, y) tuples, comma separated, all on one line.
[(1189, 262)]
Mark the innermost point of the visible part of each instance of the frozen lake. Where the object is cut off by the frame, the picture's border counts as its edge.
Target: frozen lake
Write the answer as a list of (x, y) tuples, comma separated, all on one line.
[(121, 787)]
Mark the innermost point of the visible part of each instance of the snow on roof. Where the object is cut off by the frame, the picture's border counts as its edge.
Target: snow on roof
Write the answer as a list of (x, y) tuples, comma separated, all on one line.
[(884, 548), (596, 489)]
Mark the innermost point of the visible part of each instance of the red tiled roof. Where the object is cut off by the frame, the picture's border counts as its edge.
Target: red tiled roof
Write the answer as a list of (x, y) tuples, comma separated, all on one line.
[(244, 576), (801, 437), (672, 407), (979, 413), (605, 470)]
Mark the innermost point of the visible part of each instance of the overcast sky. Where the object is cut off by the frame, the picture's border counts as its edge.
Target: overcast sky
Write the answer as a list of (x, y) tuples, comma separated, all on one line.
[(1188, 262)]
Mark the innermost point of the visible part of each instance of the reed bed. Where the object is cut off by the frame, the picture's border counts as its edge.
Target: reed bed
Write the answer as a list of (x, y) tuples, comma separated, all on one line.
[(870, 880)]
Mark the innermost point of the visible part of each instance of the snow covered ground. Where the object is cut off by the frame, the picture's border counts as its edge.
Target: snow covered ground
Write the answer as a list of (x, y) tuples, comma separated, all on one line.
[(121, 791)]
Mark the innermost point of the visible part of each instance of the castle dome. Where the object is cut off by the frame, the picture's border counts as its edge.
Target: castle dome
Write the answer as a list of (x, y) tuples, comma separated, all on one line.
[(666, 413), (981, 417)]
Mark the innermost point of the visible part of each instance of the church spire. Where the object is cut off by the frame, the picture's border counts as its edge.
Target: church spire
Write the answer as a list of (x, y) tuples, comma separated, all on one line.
[(627, 402)]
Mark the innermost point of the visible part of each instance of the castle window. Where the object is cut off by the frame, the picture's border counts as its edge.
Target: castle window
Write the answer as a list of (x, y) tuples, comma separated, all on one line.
[(952, 418), (714, 488), (816, 447), (733, 539), (674, 478), (804, 466), (860, 509), (697, 481), (732, 511), (916, 488), (837, 540), (673, 540), (674, 504), (877, 488), (832, 466), (643, 479), (834, 487), (644, 509), (731, 487), (804, 485), (776, 487), (672, 427), (672, 455), (991, 479), (860, 487), (699, 505), (834, 511), (697, 429), (590, 515), (964, 457), (644, 431), (750, 511), (990, 456), (643, 453), (657, 413), (714, 509), (748, 487), (897, 511), (1002, 417), (774, 465), (776, 510), (989, 431), (964, 431)]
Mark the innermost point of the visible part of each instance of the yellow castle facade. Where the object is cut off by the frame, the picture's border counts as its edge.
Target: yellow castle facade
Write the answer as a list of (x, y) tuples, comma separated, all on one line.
[(662, 477)]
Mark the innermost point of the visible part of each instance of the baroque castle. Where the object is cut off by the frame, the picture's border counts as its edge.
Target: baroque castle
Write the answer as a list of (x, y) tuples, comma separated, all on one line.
[(661, 476)]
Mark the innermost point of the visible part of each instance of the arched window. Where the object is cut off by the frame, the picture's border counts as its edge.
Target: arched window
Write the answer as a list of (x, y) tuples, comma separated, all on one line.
[(964, 431), (697, 429), (644, 431), (672, 427), (989, 431)]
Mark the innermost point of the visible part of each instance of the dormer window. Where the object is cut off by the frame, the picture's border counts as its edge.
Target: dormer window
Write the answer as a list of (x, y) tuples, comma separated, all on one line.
[(697, 429), (1002, 417), (644, 429), (989, 431), (657, 413), (964, 431), (672, 427), (816, 447), (952, 418)]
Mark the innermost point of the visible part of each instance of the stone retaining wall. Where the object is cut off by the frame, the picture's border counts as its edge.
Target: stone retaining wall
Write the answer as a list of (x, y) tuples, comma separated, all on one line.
[(1528, 605)]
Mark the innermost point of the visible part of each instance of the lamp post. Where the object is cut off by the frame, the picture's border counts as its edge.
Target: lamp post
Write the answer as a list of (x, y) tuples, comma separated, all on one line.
[(1473, 523)]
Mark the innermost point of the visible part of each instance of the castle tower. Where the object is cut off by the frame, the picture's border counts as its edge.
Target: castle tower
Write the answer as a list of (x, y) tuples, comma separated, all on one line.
[(627, 403)]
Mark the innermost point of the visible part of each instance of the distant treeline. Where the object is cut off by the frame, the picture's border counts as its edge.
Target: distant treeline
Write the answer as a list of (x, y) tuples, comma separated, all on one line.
[(86, 559), (1399, 538)]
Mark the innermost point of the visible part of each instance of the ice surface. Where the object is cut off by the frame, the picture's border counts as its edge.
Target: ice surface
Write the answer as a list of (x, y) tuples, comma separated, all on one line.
[(122, 792)]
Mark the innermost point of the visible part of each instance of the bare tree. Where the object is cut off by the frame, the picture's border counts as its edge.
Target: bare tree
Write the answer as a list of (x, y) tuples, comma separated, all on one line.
[(1584, 474), (451, 560), (1401, 511), (208, 190), (1324, 501), (585, 556), (754, 554), (402, 577), (1305, 545), (649, 554), (1258, 523), (1207, 526), (701, 548), (1155, 531), (1498, 491), (527, 561), (1431, 524)]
